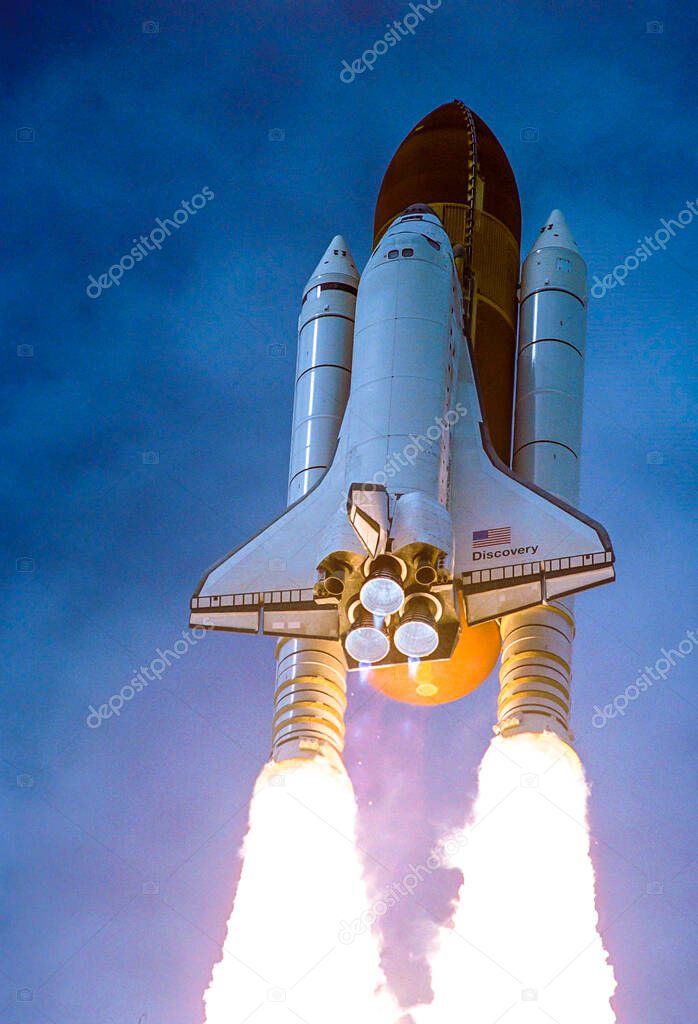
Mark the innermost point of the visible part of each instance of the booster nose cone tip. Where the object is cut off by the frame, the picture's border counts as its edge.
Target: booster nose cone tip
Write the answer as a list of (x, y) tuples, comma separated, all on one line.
[(337, 263), (555, 232)]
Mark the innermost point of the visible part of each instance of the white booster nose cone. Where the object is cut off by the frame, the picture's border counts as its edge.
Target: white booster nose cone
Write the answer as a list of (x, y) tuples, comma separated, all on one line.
[(382, 593), (416, 639), (366, 643)]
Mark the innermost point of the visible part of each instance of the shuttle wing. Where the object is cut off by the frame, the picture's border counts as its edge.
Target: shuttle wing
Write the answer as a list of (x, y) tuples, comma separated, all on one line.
[(269, 580), (515, 545)]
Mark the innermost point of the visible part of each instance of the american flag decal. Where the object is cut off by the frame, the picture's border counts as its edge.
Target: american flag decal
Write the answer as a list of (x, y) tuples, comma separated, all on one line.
[(488, 538)]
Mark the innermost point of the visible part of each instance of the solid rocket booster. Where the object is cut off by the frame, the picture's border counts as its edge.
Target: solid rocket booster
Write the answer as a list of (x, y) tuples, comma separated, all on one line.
[(550, 382), (310, 692), (535, 674), (323, 366)]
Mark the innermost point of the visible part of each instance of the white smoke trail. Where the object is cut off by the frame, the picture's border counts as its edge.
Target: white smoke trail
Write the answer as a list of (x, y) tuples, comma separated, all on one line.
[(286, 957), (524, 946)]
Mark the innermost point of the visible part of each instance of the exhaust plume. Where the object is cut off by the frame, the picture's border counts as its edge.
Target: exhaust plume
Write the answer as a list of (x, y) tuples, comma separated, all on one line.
[(524, 945), (287, 956)]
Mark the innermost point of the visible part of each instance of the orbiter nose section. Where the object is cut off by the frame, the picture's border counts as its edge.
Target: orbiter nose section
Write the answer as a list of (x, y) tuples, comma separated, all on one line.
[(418, 208), (555, 232), (337, 264)]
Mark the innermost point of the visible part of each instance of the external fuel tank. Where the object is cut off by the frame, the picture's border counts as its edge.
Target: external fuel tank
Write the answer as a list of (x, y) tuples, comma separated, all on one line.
[(452, 162)]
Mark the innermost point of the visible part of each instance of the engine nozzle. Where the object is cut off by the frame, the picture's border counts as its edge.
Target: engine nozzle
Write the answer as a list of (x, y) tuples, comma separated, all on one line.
[(417, 635), (367, 641), (382, 593)]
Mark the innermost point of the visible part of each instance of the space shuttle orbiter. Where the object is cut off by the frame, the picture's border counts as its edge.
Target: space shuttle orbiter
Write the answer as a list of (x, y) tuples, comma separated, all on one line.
[(407, 526)]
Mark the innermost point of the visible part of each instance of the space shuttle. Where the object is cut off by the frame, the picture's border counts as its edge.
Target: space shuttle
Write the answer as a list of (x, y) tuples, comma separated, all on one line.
[(435, 446)]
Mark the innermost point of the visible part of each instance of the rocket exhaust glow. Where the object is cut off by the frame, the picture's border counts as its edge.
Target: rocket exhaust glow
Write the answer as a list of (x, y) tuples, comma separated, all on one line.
[(524, 945), (283, 957)]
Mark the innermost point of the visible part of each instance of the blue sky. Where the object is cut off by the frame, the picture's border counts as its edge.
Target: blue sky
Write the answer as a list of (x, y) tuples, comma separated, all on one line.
[(120, 855)]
